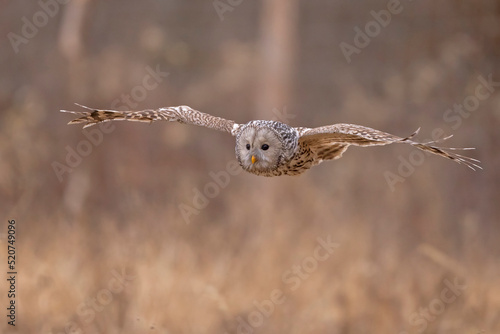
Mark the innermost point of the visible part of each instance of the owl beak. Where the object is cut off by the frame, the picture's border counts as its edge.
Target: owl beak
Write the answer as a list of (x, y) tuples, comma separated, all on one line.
[(253, 159)]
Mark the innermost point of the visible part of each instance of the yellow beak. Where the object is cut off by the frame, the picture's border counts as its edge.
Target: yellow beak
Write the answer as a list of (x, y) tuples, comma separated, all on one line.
[(253, 159)]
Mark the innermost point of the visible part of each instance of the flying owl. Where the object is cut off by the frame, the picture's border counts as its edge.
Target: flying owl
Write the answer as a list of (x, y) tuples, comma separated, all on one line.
[(271, 148)]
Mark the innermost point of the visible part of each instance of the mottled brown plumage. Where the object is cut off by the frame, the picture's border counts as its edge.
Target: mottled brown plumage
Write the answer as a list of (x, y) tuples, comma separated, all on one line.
[(271, 148)]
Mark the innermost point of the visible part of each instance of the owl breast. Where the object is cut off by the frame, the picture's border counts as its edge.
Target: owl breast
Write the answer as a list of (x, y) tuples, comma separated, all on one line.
[(301, 161)]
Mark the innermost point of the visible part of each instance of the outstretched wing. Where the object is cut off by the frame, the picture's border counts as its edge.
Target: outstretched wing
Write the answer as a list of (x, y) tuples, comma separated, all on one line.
[(329, 142), (181, 114)]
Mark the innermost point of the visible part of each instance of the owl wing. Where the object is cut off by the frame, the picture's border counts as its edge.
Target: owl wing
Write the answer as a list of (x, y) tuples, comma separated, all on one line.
[(329, 142), (181, 114)]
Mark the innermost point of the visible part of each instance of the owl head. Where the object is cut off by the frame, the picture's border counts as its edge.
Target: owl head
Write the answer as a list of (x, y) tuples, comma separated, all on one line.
[(259, 148)]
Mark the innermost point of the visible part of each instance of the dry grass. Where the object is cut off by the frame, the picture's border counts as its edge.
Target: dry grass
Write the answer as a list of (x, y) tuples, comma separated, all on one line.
[(205, 276)]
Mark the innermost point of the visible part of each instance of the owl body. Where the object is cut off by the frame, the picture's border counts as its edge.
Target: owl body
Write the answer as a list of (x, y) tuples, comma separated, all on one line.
[(271, 148)]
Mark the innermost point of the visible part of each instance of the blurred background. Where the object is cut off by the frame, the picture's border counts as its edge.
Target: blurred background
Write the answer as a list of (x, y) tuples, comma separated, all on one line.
[(124, 229)]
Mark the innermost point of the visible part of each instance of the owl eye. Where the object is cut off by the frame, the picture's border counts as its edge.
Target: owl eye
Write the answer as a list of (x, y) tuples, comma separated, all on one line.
[(264, 147), (248, 146)]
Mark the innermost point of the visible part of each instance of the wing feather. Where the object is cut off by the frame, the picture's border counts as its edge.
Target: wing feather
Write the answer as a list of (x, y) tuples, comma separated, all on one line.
[(181, 114), (321, 138)]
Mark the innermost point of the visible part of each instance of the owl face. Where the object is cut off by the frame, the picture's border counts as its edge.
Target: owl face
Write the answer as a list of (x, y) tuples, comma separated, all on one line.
[(259, 149)]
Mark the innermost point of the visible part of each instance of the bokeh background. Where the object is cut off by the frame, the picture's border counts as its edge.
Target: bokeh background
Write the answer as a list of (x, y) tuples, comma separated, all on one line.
[(118, 210)]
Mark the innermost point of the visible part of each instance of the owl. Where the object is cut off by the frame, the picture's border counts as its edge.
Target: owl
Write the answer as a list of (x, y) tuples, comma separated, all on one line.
[(271, 148)]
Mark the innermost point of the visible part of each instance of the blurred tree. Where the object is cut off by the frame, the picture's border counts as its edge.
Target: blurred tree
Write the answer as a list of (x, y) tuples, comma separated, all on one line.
[(278, 43)]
